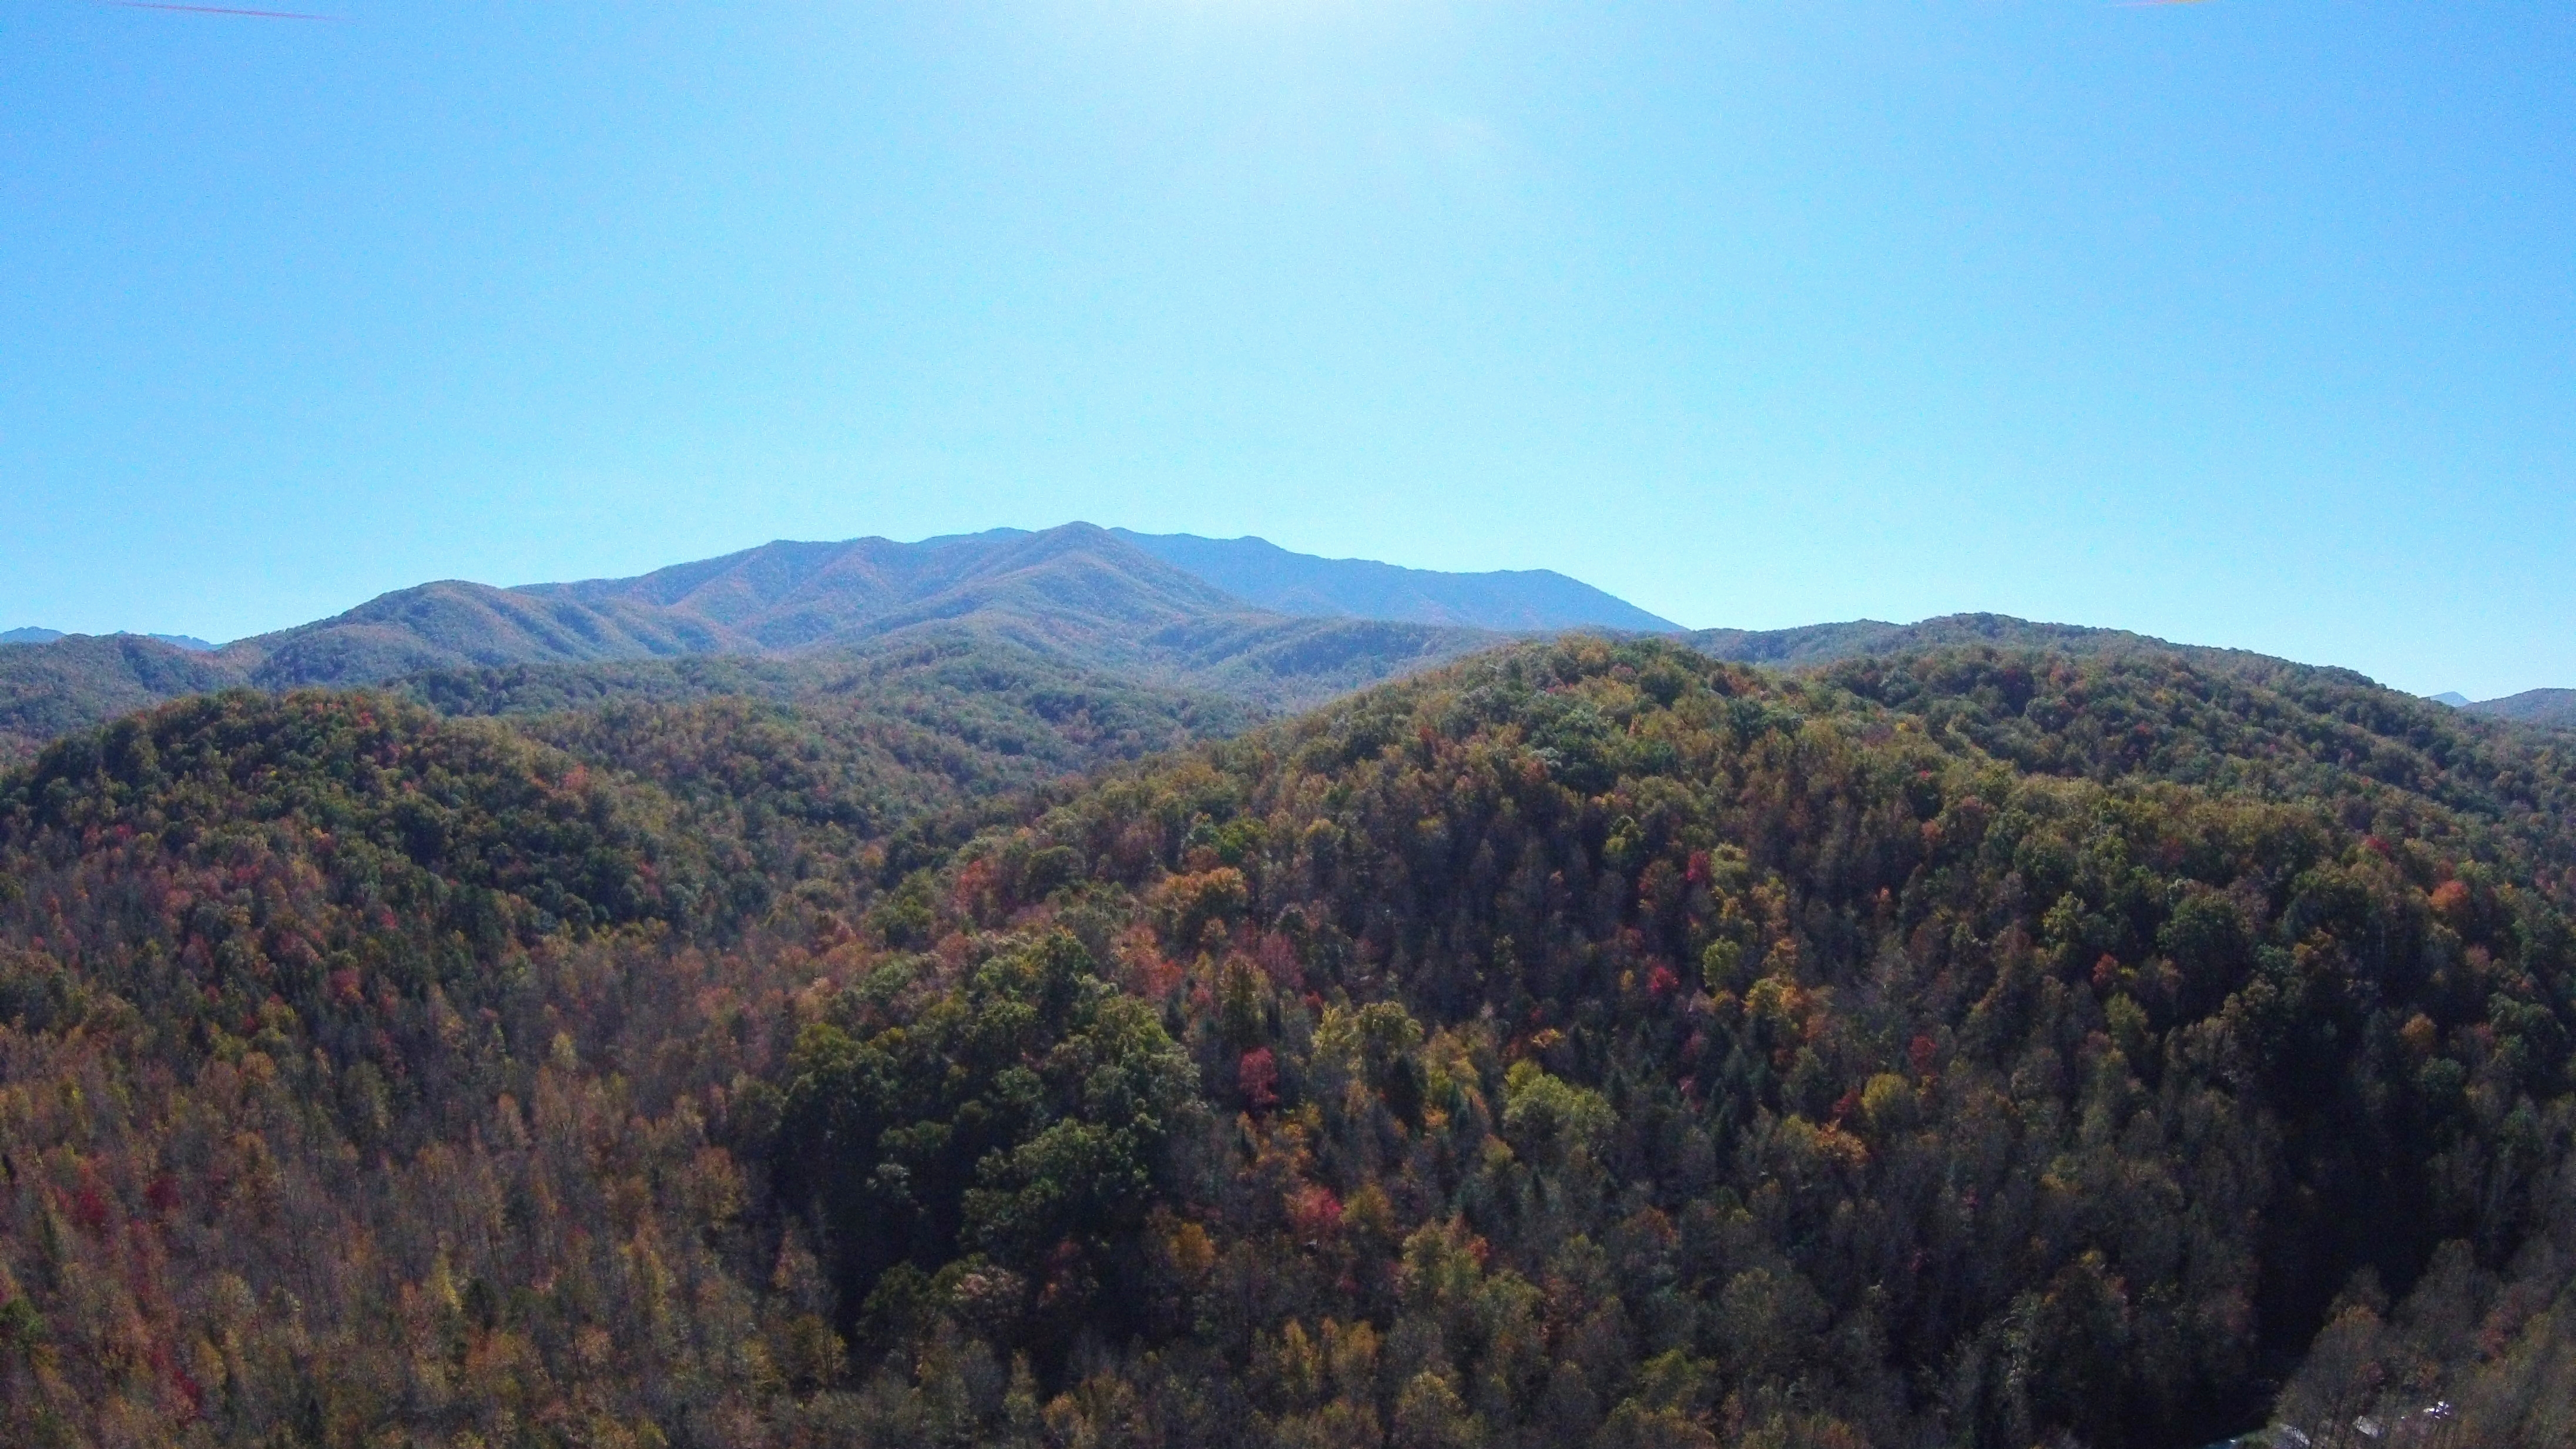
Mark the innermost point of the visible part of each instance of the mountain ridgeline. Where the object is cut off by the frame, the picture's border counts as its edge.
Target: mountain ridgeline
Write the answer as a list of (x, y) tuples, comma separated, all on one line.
[(1591, 1042), (1237, 620), (1537, 600), (1171, 610), (2532, 706)]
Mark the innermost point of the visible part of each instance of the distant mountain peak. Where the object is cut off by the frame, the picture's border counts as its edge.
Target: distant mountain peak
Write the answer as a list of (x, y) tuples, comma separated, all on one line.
[(30, 636), (2451, 697)]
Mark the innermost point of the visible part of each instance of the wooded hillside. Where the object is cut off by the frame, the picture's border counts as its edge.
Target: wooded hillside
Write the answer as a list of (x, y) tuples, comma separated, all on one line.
[(1584, 1043)]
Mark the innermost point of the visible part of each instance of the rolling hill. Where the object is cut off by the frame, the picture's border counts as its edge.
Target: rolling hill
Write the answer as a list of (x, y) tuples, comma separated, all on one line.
[(1815, 644), (72, 682)]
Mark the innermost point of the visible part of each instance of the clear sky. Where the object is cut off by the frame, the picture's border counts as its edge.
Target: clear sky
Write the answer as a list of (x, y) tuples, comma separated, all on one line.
[(2243, 322)]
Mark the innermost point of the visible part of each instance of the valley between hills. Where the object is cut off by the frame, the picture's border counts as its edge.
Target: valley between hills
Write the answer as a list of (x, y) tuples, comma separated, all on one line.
[(1084, 988)]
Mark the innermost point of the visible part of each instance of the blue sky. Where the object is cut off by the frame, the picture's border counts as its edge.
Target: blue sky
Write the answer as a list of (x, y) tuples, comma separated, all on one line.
[(2238, 322)]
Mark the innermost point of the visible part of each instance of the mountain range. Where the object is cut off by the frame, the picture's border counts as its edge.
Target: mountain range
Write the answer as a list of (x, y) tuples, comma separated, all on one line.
[(1240, 620), (1077, 593), (786, 596)]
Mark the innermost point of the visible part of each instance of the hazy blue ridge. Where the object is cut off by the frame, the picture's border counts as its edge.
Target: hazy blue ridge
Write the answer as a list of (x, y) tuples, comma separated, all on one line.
[(31, 635), (2451, 697), (1262, 573)]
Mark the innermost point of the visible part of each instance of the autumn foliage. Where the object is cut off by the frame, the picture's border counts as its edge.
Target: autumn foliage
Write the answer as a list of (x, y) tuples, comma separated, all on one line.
[(1585, 1044)]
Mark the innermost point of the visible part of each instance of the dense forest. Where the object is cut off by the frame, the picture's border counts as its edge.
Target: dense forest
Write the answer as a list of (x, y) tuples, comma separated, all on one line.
[(1586, 1043)]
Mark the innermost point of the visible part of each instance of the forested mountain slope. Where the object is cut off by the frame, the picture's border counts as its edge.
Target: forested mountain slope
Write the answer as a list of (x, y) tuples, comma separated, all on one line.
[(1081, 579), (873, 751), (73, 682), (1076, 593), (453, 623), (2534, 706), (294, 947), (1617, 1044), (978, 691), (1584, 1043)]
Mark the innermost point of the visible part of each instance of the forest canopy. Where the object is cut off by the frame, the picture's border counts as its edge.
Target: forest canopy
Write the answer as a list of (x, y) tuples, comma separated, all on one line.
[(1588, 1042)]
